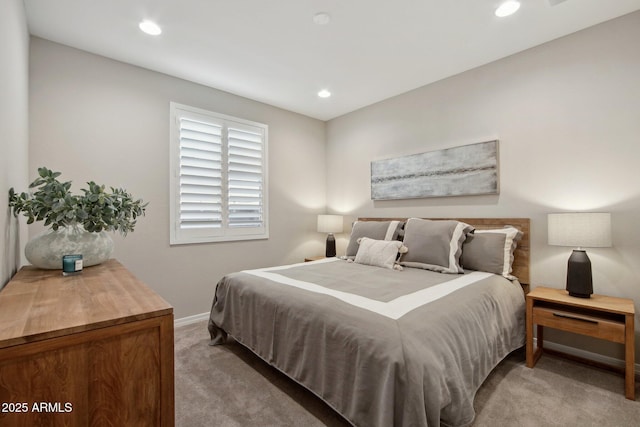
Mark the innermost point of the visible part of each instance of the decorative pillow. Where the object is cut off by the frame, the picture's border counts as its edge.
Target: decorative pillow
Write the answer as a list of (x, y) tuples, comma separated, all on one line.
[(491, 250), (434, 244), (378, 230), (380, 253)]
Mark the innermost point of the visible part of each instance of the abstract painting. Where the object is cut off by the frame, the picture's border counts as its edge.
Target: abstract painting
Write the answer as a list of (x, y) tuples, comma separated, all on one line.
[(458, 171)]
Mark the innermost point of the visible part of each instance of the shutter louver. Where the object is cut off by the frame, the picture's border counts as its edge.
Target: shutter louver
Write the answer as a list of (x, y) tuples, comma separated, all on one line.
[(200, 174), (245, 178)]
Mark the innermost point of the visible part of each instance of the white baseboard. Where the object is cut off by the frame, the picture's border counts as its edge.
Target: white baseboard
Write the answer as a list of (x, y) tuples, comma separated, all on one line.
[(184, 321), (619, 363)]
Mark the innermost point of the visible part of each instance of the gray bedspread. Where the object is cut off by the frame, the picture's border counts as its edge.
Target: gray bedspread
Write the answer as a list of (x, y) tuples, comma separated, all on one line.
[(382, 347)]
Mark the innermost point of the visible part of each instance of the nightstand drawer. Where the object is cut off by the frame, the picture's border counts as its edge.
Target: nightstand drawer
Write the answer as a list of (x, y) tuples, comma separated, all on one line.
[(581, 323)]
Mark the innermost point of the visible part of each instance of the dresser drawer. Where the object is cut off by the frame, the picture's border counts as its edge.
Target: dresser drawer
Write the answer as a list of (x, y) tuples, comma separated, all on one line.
[(582, 323)]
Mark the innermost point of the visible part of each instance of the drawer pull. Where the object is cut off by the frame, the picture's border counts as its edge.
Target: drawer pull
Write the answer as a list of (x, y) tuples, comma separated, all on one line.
[(568, 316)]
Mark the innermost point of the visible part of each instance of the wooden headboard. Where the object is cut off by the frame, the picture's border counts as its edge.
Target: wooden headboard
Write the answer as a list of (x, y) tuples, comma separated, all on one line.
[(521, 255)]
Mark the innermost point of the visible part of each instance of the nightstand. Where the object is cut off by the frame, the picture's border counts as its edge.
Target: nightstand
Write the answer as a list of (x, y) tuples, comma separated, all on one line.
[(600, 316)]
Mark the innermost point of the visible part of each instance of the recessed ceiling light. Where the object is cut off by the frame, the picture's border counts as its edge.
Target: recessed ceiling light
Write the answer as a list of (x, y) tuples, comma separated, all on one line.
[(150, 28), (324, 93), (321, 18), (507, 8)]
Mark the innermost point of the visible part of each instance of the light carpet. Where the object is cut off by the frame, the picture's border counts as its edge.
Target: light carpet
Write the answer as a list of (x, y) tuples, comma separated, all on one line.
[(229, 386)]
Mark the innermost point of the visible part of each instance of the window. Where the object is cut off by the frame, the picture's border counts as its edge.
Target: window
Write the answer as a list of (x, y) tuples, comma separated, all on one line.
[(218, 177)]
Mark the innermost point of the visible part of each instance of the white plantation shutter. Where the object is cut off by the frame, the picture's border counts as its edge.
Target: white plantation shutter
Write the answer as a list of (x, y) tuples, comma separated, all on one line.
[(200, 174), (245, 183), (218, 177)]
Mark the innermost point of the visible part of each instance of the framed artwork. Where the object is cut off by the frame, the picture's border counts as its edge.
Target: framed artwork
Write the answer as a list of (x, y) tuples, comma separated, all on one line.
[(459, 171)]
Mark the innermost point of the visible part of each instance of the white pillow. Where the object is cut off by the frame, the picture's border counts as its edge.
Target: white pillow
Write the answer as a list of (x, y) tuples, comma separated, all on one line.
[(379, 253)]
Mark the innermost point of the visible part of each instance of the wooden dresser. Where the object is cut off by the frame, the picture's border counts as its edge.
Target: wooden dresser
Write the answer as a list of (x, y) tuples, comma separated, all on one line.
[(93, 349)]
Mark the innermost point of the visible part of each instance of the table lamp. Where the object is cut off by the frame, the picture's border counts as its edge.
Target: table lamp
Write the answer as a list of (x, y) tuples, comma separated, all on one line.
[(579, 230), (330, 224)]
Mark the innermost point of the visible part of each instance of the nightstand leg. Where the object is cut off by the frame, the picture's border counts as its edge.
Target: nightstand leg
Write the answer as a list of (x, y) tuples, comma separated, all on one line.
[(629, 347), (540, 337), (529, 325), (533, 353)]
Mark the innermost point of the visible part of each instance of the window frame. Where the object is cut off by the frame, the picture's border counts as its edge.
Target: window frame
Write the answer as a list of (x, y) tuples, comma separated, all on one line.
[(179, 235)]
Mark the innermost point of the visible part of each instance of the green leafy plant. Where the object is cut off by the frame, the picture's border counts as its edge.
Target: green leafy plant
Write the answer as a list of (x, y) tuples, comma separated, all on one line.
[(96, 209)]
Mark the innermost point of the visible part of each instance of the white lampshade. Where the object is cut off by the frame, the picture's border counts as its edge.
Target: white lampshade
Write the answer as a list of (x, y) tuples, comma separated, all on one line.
[(330, 223), (580, 229)]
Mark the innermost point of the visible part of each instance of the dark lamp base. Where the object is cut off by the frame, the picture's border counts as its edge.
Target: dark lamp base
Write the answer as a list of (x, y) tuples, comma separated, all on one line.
[(579, 281), (573, 294), (331, 246)]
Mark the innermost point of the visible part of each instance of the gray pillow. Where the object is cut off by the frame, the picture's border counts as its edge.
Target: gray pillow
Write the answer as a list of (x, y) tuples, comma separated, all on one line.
[(491, 250), (377, 230), (434, 244)]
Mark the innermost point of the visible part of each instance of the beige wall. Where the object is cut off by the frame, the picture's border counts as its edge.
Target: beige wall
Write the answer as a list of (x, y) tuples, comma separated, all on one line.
[(14, 128), (567, 115), (97, 119)]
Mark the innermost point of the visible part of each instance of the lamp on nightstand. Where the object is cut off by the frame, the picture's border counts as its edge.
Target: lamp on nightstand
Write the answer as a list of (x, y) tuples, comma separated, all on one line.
[(330, 224), (580, 229)]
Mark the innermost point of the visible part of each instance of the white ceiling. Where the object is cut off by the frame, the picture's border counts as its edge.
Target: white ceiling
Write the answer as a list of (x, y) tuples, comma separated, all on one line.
[(271, 51)]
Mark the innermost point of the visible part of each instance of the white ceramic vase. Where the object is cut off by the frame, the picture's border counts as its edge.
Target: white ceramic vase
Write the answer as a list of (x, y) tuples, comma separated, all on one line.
[(47, 248)]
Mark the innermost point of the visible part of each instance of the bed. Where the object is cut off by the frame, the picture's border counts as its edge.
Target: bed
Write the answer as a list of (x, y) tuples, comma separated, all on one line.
[(399, 342)]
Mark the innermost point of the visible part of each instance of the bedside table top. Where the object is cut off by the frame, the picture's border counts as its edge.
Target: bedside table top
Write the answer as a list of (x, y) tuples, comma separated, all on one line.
[(596, 302)]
